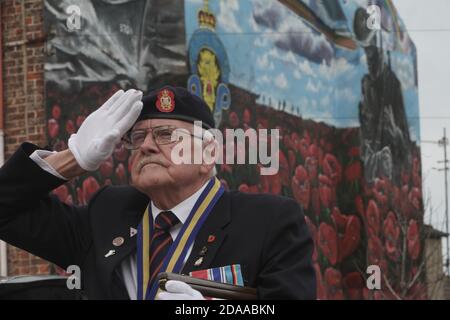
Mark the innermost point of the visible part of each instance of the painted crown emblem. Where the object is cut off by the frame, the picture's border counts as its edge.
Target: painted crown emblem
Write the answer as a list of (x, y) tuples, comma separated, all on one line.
[(206, 18)]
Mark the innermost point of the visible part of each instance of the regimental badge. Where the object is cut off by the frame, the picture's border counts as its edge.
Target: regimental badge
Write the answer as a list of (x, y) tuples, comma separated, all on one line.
[(165, 101)]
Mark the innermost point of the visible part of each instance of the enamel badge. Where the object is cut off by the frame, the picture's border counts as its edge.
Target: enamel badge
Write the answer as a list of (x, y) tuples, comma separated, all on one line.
[(165, 101)]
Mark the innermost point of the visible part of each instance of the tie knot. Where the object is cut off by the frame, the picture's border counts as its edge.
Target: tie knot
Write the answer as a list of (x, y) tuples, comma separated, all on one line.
[(165, 220)]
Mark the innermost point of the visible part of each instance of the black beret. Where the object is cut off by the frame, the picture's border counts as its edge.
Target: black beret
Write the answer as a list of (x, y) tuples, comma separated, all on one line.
[(176, 103)]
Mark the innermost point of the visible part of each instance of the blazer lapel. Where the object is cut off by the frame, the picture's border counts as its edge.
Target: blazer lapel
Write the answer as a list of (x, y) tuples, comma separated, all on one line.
[(210, 237), (120, 240)]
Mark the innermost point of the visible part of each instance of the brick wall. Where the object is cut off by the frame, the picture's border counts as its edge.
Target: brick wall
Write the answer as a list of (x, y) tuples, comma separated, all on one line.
[(23, 85)]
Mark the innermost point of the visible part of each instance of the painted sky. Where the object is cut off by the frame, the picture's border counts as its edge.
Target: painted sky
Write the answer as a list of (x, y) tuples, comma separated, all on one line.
[(276, 54)]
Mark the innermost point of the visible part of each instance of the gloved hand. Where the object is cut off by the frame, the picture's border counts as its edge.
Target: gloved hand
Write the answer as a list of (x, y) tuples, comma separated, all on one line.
[(178, 290), (101, 131)]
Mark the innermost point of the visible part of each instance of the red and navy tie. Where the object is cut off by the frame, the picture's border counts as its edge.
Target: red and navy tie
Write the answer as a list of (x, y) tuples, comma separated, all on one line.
[(161, 241)]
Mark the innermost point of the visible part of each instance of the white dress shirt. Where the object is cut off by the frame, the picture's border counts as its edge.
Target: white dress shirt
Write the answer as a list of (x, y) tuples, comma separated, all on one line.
[(128, 268)]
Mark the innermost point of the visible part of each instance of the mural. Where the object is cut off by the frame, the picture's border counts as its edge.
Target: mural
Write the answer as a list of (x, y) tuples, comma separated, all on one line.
[(345, 100)]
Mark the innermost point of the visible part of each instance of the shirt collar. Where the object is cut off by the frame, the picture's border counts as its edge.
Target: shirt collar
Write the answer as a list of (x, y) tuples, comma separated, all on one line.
[(183, 209)]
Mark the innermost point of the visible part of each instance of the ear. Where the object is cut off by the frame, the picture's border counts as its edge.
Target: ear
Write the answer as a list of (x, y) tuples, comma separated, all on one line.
[(209, 155)]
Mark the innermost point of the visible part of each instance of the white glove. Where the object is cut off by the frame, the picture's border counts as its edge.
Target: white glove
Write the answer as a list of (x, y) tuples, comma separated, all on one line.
[(178, 290), (101, 131)]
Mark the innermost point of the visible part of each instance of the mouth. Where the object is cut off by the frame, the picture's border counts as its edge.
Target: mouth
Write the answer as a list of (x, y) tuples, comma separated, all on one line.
[(149, 164)]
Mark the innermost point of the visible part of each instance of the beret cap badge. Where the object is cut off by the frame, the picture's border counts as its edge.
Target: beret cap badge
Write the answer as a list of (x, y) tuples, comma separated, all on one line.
[(165, 101)]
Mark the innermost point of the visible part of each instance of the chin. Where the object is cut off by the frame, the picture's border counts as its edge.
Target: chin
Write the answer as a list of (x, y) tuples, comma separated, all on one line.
[(148, 179)]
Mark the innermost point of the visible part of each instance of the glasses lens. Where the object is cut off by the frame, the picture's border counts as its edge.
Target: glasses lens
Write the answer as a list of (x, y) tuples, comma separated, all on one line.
[(164, 135), (134, 139)]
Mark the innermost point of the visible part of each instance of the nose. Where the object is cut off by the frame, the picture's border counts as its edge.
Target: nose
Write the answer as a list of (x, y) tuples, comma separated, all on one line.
[(149, 145)]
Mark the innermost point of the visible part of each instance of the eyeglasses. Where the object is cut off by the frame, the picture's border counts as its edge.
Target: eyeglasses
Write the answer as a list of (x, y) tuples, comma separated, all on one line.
[(161, 135)]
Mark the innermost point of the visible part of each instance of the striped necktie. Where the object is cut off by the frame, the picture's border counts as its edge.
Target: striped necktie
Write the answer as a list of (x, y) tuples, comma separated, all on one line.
[(161, 241)]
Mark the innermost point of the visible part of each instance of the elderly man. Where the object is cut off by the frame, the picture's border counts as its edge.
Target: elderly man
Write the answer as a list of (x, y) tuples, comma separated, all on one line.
[(174, 218)]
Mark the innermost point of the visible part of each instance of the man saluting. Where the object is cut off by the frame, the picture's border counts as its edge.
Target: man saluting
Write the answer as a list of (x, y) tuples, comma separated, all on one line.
[(173, 217)]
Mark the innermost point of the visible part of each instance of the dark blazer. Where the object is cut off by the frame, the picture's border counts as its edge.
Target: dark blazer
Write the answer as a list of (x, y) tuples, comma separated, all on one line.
[(266, 234)]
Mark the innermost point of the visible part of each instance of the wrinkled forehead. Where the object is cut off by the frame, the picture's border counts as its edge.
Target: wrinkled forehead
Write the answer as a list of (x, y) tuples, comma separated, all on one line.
[(149, 123)]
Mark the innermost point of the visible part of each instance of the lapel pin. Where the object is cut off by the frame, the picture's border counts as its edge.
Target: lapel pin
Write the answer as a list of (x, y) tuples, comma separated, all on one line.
[(110, 253), (198, 262), (211, 238), (203, 251), (133, 232), (117, 242)]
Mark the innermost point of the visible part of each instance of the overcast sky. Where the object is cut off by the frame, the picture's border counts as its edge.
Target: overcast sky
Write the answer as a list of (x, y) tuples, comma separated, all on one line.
[(428, 24)]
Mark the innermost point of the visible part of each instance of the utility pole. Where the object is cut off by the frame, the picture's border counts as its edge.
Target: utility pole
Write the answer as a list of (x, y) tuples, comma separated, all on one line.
[(444, 142)]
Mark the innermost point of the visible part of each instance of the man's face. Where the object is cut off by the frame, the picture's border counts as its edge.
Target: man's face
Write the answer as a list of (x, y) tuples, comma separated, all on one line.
[(152, 166)]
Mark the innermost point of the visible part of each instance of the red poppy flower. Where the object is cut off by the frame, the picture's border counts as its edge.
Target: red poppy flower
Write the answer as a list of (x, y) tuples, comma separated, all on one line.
[(381, 192), (56, 112), (307, 137), (106, 168), (312, 166), (321, 289), (339, 219), (287, 141), (391, 235), (325, 190), (80, 197), (414, 198), (233, 119), (315, 152), (333, 280), (70, 127), (374, 251), (275, 186), (120, 153), (413, 239), (295, 138), (225, 184), (406, 207), (69, 200), (226, 168), (52, 128), (247, 116), (354, 284), (303, 148), (62, 192), (332, 168), (354, 152), (353, 171), (350, 240), (80, 120), (301, 187), (373, 218), (253, 189), (121, 174), (291, 159), (90, 186), (263, 123), (283, 169), (244, 188), (328, 242), (315, 201), (359, 205), (313, 230)]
